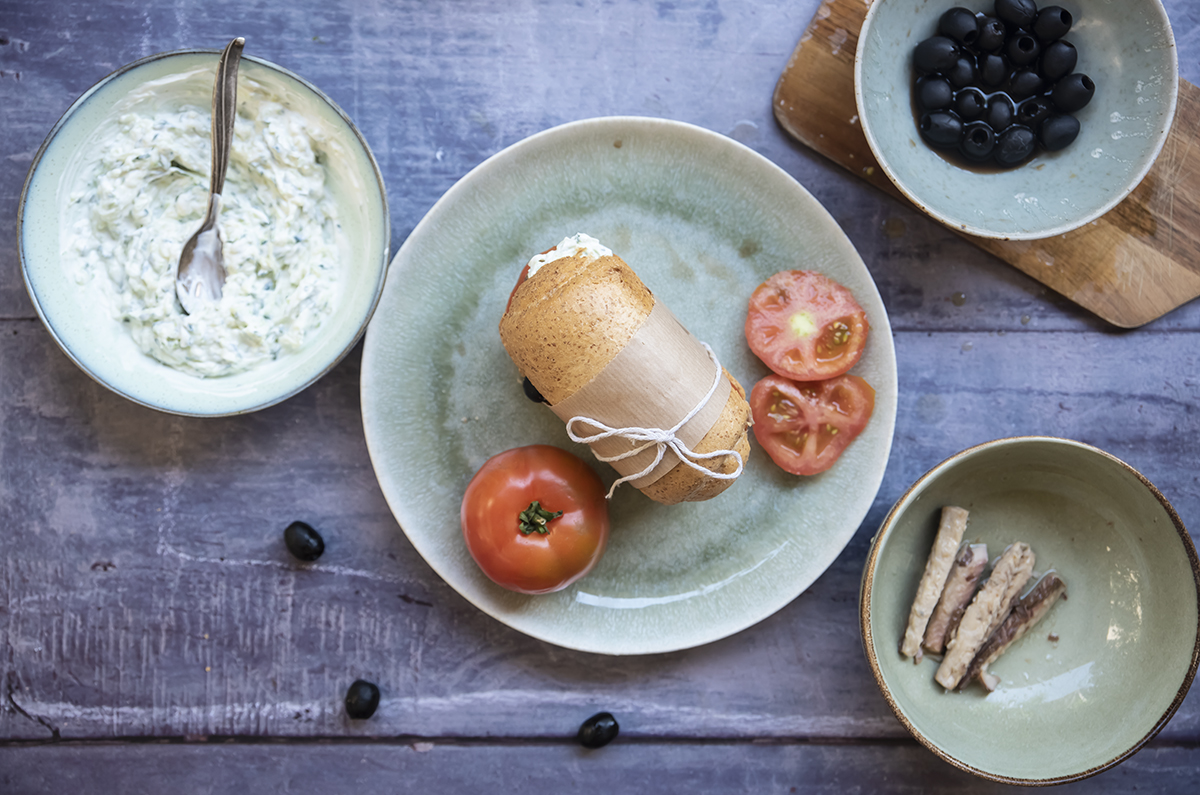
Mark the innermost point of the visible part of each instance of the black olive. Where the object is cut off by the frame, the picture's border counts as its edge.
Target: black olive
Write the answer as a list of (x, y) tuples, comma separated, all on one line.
[(993, 70), (598, 730), (1058, 131), (934, 92), (362, 699), (1022, 49), (970, 104), (962, 73), (1073, 92), (935, 54), (991, 34), (960, 24), (532, 392), (978, 141), (1024, 83), (1033, 110), (1052, 23), (941, 128), (303, 542), (1017, 13), (1058, 59), (1014, 145), (1000, 113)]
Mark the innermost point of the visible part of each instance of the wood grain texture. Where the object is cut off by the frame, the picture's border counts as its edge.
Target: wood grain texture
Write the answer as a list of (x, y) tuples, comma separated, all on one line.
[(150, 598), (1134, 264), (420, 765), (145, 594)]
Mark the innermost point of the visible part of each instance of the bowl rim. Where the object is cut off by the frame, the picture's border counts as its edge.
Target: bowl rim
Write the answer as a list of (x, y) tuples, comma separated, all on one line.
[(868, 581), (1038, 234), (386, 236)]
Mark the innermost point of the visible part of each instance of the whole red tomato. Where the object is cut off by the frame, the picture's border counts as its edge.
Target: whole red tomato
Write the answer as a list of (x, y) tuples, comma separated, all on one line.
[(535, 518)]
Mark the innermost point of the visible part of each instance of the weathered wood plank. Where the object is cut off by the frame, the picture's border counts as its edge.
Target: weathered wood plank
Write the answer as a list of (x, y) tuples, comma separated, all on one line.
[(418, 765), (436, 89), (144, 588), (149, 596)]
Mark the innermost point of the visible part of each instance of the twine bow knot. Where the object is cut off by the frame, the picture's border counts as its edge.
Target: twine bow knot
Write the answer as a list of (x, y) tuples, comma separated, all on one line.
[(661, 438)]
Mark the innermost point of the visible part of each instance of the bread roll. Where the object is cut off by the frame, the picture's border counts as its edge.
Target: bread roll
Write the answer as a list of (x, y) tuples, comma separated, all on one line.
[(566, 323)]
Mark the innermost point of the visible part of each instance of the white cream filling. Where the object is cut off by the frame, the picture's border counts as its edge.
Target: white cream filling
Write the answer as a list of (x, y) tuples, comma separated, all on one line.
[(573, 246)]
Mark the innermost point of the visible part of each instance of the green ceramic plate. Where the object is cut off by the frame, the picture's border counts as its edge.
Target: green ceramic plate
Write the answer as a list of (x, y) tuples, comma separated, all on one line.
[(1127, 644), (703, 220)]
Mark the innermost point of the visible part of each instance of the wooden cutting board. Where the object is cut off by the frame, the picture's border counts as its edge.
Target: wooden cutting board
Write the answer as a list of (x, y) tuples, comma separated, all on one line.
[(1134, 264)]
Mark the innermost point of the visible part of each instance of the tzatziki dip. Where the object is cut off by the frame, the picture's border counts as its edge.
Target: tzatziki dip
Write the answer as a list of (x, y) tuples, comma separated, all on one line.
[(143, 190)]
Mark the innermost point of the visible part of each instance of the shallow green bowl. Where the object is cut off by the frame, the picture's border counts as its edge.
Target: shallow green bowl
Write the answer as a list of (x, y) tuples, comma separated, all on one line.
[(1125, 46), (81, 322), (1128, 634)]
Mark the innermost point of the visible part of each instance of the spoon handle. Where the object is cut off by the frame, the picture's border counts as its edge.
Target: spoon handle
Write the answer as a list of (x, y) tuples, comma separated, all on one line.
[(224, 111)]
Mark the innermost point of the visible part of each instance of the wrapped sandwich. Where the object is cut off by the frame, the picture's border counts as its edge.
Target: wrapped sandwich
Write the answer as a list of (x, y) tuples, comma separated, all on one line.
[(625, 375)]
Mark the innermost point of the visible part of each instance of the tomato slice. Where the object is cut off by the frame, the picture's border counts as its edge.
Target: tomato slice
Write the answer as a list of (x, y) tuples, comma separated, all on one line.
[(535, 518), (805, 426), (805, 326)]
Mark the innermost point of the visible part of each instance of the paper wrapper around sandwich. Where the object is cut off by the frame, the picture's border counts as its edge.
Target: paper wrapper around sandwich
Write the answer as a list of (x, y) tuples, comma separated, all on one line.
[(595, 343)]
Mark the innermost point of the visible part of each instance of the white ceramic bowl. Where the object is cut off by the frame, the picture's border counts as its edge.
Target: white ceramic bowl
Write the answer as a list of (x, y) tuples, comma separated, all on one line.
[(1125, 46), (82, 324), (1104, 670)]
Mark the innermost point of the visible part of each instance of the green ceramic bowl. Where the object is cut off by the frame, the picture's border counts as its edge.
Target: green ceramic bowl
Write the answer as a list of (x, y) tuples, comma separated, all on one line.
[(1125, 46), (80, 320), (1127, 635)]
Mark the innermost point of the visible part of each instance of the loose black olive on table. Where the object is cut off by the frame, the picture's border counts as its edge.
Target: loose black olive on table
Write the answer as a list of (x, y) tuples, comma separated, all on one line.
[(598, 730), (303, 541), (362, 699)]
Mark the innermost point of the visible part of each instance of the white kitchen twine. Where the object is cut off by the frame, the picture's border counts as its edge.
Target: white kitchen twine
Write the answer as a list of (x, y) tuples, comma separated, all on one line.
[(663, 438)]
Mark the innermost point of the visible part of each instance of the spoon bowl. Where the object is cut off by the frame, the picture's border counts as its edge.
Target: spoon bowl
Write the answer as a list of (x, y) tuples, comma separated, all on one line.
[(200, 276)]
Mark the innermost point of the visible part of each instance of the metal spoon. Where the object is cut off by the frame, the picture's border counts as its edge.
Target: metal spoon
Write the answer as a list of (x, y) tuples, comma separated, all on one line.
[(201, 272)]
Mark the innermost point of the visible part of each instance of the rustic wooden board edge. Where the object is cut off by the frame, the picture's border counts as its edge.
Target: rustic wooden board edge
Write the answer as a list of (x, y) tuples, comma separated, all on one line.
[(1131, 266)]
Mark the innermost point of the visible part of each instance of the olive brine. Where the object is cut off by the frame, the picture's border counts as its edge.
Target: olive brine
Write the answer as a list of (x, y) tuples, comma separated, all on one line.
[(994, 88)]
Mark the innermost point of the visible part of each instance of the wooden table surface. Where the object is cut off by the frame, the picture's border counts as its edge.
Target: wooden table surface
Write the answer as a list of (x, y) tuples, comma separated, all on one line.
[(156, 637)]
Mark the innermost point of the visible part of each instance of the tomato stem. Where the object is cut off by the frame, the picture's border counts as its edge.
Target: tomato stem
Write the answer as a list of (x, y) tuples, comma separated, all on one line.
[(535, 518)]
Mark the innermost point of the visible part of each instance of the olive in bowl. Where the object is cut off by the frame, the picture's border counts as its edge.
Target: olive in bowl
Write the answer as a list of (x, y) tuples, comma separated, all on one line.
[(1126, 50)]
